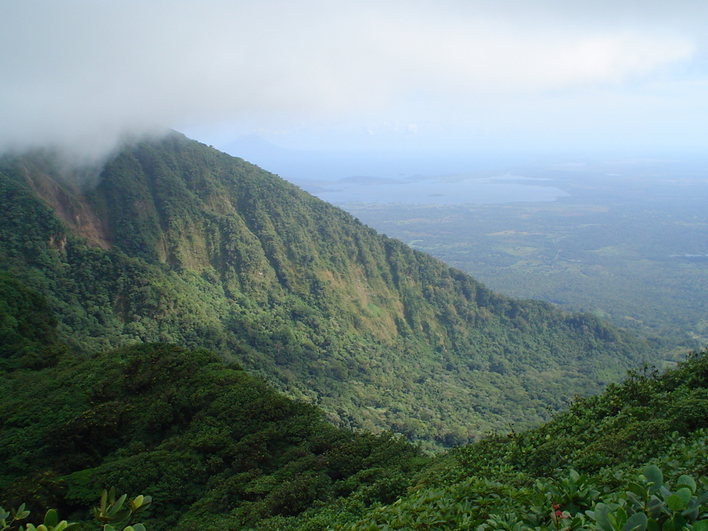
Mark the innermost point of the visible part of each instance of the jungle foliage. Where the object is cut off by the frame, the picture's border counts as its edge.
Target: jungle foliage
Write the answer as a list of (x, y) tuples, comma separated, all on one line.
[(634, 457), (180, 243), (213, 446), (216, 448)]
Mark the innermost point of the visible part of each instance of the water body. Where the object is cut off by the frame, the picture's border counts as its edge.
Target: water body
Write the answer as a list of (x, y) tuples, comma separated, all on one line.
[(691, 257), (440, 191), (404, 178)]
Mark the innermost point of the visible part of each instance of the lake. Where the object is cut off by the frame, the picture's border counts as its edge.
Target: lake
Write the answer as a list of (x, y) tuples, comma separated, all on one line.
[(449, 190)]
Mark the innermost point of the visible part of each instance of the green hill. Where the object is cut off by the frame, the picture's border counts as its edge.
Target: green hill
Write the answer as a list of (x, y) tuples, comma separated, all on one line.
[(181, 243), (213, 446), (216, 448), (634, 457)]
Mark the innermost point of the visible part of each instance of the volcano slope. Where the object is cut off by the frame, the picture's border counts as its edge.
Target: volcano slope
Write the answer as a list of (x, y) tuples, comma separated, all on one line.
[(177, 242)]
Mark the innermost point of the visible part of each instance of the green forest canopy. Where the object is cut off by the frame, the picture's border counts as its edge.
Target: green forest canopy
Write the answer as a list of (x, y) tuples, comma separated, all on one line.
[(180, 243), (216, 448)]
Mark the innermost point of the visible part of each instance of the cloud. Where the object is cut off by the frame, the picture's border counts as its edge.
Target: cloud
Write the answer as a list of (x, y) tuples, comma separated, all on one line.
[(86, 73)]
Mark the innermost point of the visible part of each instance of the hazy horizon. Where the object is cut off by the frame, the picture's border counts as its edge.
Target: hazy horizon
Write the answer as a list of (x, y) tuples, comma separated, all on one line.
[(503, 79)]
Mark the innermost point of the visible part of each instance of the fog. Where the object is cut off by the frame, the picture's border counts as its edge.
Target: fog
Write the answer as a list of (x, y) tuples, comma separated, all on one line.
[(502, 76)]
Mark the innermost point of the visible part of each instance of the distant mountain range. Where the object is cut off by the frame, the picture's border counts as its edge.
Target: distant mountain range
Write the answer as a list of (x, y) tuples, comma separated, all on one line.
[(181, 243)]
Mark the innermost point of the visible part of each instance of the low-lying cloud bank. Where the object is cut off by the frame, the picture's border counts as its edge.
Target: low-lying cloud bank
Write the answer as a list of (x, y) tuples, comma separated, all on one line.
[(83, 75)]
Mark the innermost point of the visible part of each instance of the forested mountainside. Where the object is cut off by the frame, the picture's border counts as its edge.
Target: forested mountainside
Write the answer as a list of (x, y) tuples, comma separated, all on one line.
[(216, 448), (209, 443), (633, 458), (181, 243)]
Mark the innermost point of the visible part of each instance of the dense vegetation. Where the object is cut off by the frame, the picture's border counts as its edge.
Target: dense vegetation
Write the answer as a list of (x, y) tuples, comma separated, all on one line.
[(219, 449), (180, 243), (599, 458), (213, 446), (627, 244)]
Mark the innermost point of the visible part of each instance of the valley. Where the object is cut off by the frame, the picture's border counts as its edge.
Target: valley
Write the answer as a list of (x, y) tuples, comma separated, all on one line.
[(619, 246), (191, 246), (197, 330), (353, 266)]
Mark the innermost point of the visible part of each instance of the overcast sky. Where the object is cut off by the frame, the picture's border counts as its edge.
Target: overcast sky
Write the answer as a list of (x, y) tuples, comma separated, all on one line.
[(502, 75)]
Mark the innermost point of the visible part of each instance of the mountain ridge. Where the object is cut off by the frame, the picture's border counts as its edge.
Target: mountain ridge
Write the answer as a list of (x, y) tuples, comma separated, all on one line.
[(181, 243)]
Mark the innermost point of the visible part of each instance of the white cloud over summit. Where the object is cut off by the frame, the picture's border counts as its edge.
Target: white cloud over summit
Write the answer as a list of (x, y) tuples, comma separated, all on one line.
[(86, 73)]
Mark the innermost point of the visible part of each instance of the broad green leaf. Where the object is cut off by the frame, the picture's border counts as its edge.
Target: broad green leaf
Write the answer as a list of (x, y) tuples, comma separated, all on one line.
[(655, 506), (121, 515), (51, 519), (654, 476), (679, 521), (636, 502), (675, 503), (620, 518), (701, 526), (638, 490), (703, 498), (686, 481), (685, 494), (117, 505), (636, 522), (147, 501), (602, 517)]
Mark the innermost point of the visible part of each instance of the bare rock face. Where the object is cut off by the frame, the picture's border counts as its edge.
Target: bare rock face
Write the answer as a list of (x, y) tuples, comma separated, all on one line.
[(70, 206)]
